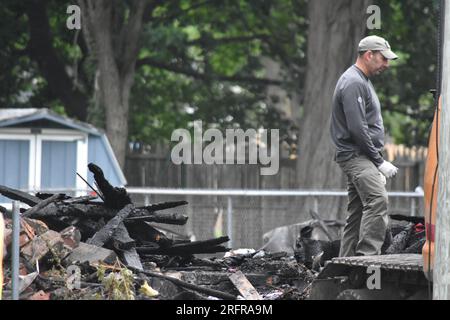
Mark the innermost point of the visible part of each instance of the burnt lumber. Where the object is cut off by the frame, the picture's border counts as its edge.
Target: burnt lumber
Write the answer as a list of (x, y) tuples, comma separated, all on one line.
[(168, 218), (183, 249), (82, 199), (21, 196), (177, 251), (164, 205), (183, 284), (43, 204), (244, 286), (121, 239), (105, 233), (114, 197), (131, 258), (142, 231)]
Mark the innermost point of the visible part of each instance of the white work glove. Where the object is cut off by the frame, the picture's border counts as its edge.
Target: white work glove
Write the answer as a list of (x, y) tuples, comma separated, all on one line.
[(388, 169)]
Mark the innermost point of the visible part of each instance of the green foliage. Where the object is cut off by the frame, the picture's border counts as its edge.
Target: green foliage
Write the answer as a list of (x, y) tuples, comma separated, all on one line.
[(201, 60), (411, 28), (117, 285)]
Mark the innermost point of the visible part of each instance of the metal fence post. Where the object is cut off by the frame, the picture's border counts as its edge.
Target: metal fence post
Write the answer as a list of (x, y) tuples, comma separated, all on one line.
[(230, 220), (15, 250), (316, 205), (413, 207)]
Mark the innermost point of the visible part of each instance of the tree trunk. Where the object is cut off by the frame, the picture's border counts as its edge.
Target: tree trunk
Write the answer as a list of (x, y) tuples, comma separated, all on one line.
[(334, 32), (114, 39)]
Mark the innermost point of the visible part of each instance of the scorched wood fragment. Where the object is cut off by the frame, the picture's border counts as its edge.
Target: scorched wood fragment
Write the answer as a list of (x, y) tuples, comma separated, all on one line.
[(164, 205), (177, 251), (15, 194), (168, 218), (143, 232), (206, 246), (105, 233), (43, 204), (114, 197), (121, 239), (82, 199)]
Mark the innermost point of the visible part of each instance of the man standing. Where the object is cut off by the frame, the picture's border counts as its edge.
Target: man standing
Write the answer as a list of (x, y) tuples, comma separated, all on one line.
[(358, 133)]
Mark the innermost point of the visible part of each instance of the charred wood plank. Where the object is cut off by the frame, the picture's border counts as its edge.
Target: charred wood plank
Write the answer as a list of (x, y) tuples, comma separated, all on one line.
[(43, 204), (177, 251), (114, 197), (203, 243), (21, 196), (121, 239), (105, 233), (163, 205), (183, 284), (244, 286), (143, 231), (168, 218), (131, 258), (95, 211), (83, 199)]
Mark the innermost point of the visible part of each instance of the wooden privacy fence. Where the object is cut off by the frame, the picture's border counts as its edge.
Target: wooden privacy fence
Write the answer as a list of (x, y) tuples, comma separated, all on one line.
[(253, 216)]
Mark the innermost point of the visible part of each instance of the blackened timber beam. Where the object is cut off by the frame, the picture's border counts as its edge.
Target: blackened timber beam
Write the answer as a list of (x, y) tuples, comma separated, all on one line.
[(164, 205), (171, 251), (180, 283), (21, 196), (105, 234), (114, 197), (43, 204), (168, 218)]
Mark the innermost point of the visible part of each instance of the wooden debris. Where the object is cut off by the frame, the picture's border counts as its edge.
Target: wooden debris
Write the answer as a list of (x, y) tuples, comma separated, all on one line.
[(131, 258), (183, 284), (105, 233), (90, 253), (168, 218), (39, 247), (114, 197), (183, 249), (42, 204), (244, 286), (164, 205), (83, 199), (143, 231), (15, 194), (121, 239)]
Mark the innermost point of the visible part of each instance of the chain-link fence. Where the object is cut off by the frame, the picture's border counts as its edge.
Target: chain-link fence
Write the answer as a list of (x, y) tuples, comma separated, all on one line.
[(245, 215)]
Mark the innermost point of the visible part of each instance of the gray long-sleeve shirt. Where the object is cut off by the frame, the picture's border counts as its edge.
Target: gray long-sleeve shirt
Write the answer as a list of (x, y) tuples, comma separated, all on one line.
[(356, 122)]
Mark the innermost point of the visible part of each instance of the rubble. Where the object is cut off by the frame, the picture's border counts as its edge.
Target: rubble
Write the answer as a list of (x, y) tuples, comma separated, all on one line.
[(108, 248)]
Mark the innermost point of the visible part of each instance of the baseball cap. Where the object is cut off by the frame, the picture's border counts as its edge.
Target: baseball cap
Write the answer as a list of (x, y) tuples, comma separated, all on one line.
[(379, 44)]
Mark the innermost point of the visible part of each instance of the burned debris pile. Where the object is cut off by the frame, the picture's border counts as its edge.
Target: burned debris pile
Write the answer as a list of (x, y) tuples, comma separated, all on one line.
[(103, 246), (100, 239)]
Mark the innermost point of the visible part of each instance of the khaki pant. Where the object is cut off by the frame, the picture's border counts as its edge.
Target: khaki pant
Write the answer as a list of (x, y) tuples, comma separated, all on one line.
[(367, 220)]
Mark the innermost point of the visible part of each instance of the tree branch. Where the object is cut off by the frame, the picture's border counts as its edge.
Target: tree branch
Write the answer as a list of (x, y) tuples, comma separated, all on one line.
[(53, 69), (202, 76), (211, 42)]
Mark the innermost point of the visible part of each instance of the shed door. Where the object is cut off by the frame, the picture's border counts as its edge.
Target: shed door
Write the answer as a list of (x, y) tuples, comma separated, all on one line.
[(14, 165), (59, 164)]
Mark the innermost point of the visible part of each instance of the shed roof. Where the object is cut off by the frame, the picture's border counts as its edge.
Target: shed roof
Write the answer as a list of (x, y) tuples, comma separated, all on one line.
[(14, 117)]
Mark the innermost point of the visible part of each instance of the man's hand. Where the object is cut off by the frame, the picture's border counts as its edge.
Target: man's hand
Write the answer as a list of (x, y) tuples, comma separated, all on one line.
[(388, 169)]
